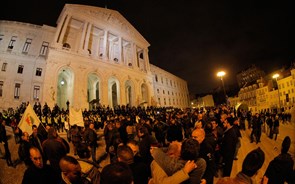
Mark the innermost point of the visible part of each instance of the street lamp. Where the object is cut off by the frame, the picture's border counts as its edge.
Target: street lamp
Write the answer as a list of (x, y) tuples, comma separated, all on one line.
[(275, 76), (221, 74)]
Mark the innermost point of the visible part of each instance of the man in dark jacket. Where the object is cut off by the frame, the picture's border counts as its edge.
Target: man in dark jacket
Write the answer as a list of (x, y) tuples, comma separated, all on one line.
[(207, 149), (139, 169), (36, 139), (228, 145), (4, 139), (39, 172), (24, 149), (91, 140), (280, 169), (54, 149)]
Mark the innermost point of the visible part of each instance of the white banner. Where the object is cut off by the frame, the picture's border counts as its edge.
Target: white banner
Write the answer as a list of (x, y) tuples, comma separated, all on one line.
[(76, 117), (29, 119)]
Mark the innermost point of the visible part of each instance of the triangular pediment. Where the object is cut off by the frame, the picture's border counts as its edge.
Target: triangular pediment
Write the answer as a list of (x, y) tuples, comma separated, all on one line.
[(109, 17)]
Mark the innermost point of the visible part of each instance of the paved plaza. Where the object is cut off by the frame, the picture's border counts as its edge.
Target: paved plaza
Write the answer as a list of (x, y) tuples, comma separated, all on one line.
[(10, 175)]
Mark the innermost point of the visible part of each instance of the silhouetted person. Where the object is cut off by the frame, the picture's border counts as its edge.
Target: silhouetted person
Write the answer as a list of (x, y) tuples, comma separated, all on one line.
[(280, 169)]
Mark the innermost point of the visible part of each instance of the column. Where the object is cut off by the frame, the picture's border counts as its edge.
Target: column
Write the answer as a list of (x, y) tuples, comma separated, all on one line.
[(86, 41), (59, 28), (105, 45), (81, 46), (64, 29), (146, 59), (120, 51), (134, 53)]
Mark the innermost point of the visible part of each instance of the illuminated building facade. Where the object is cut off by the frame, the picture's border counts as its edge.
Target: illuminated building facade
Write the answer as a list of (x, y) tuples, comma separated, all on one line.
[(94, 54)]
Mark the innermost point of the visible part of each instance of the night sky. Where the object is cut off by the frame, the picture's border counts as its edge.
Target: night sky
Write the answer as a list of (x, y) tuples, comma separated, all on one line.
[(193, 39)]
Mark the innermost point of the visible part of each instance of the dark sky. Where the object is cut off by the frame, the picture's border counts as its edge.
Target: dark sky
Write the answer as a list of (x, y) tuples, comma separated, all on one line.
[(193, 39)]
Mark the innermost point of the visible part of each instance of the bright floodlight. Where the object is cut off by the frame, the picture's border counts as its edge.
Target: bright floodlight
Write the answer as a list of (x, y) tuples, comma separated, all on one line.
[(275, 76), (221, 74)]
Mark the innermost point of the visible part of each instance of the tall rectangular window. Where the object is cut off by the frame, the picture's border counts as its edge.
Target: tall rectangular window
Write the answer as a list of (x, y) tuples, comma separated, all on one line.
[(1, 88), (27, 45), (11, 43), (38, 71), (16, 90), (36, 92), (1, 37), (4, 66), (20, 69), (44, 48)]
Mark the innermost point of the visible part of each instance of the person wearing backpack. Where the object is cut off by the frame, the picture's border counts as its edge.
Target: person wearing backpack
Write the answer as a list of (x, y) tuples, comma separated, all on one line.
[(89, 169)]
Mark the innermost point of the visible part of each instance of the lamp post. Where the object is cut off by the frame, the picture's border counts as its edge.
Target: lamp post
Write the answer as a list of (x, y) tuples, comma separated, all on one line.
[(221, 74), (275, 76)]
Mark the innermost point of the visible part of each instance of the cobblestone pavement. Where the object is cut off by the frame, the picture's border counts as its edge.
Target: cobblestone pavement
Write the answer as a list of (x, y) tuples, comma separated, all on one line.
[(10, 175)]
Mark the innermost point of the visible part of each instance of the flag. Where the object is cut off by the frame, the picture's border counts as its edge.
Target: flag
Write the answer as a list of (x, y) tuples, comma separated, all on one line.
[(29, 119), (76, 117)]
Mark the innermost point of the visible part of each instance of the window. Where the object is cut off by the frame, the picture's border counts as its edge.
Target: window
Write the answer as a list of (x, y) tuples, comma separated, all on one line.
[(36, 92), (11, 43), (156, 78), (16, 91), (38, 71), (20, 69), (1, 88), (164, 92), (4, 66), (1, 37), (27, 45), (44, 48), (158, 90)]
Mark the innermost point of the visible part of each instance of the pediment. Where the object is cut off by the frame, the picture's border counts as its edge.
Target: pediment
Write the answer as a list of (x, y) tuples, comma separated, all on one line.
[(111, 17)]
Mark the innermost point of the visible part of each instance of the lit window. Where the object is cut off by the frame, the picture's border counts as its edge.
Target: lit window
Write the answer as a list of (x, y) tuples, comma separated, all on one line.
[(27, 45), (36, 92), (20, 69), (11, 43), (4, 66), (38, 71), (16, 91), (44, 48)]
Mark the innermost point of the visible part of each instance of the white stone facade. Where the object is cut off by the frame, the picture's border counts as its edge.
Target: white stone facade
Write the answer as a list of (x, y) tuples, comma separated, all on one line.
[(93, 54)]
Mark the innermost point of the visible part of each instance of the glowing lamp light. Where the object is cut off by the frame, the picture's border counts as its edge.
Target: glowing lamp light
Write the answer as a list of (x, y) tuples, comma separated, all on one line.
[(62, 82), (275, 76), (221, 74)]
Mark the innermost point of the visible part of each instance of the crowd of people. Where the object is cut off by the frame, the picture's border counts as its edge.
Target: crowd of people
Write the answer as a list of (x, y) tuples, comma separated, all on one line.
[(144, 145)]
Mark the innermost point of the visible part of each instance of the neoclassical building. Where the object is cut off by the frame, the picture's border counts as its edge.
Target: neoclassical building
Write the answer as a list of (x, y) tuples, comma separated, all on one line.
[(94, 54)]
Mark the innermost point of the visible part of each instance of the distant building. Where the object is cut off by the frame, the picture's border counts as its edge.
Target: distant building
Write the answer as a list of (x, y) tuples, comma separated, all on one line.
[(249, 75), (205, 101), (94, 54), (268, 94)]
